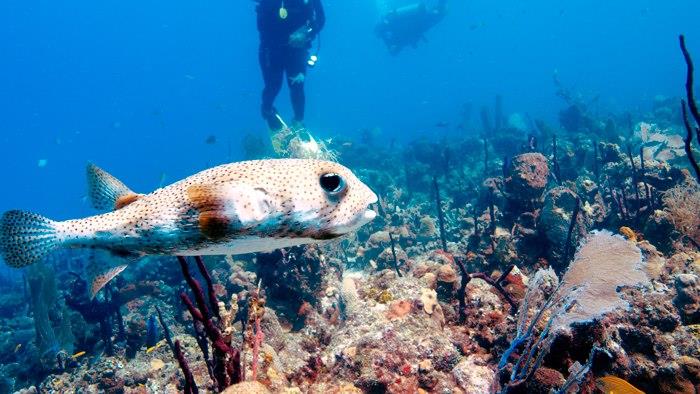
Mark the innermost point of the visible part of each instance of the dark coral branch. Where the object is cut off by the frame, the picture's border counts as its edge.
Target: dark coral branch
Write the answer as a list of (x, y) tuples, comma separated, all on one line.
[(486, 158), (505, 273), (650, 202), (634, 177), (618, 202), (486, 278), (203, 344), (572, 224), (596, 170), (393, 254), (498, 112), (196, 313), (221, 348), (441, 218), (624, 201), (688, 141), (486, 120), (496, 284), (226, 359), (492, 214), (190, 385), (213, 302), (505, 168), (461, 293), (195, 286), (166, 330), (555, 160), (692, 104)]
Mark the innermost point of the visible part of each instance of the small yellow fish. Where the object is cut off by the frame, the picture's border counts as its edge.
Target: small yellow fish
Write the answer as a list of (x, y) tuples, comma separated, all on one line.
[(78, 355), (629, 233), (614, 385), (154, 347), (19, 346)]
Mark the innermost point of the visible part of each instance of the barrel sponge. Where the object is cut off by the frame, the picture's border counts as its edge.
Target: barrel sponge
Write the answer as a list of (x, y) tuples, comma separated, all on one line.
[(603, 264)]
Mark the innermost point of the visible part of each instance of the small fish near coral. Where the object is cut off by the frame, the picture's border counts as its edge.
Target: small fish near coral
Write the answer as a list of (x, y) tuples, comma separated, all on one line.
[(615, 385), (78, 355), (236, 208)]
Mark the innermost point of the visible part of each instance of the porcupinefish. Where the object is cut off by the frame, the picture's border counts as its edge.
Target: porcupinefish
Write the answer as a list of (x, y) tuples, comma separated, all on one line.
[(237, 208)]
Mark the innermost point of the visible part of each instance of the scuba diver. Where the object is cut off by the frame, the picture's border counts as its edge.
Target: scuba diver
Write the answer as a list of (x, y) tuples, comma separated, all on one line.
[(287, 28), (406, 25)]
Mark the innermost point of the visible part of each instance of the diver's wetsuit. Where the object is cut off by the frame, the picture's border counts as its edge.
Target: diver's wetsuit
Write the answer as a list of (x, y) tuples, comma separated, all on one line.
[(278, 57)]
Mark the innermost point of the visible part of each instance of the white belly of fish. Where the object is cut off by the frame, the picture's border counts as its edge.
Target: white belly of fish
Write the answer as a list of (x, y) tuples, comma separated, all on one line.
[(248, 245)]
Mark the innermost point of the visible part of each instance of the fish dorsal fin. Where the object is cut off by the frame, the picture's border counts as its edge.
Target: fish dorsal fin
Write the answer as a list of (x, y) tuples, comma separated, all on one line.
[(107, 192), (102, 267)]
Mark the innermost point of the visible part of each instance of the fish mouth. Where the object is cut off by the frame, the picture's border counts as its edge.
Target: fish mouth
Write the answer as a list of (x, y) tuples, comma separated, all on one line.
[(360, 220), (373, 198), (371, 211), (367, 216)]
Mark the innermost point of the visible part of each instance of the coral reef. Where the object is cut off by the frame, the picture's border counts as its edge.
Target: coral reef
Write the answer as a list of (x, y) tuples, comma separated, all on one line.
[(534, 258)]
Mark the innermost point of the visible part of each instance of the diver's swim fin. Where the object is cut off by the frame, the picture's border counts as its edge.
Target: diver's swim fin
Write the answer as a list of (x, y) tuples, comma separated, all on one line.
[(107, 192)]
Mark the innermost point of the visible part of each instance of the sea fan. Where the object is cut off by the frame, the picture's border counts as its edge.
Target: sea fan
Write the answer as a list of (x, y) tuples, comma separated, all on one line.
[(602, 264)]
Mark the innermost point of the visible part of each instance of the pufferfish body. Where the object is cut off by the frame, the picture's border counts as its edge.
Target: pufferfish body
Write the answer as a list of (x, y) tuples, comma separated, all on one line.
[(244, 207)]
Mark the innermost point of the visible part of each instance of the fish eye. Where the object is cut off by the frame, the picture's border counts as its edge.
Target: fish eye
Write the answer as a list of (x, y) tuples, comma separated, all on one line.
[(332, 183)]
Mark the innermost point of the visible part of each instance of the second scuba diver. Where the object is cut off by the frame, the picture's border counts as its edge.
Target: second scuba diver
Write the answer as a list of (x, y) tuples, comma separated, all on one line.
[(407, 25)]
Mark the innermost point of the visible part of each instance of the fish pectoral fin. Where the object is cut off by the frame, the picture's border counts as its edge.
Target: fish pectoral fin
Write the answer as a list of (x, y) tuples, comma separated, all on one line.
[(105, 265), (252, 205), (107, 192)]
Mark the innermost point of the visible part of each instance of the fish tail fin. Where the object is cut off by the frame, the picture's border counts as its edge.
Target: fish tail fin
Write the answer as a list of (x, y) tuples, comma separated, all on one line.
[(26, 237), (106, 192)]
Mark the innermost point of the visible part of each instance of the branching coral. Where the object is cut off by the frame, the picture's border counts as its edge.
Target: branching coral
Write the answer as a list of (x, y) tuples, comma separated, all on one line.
[(467, 277), (542, 301), (692, 107), (190, 385), (225, 365), (256, 310), (441, 218)]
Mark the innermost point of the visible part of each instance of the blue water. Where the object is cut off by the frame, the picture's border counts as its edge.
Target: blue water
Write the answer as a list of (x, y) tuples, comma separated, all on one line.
[(137, 87)]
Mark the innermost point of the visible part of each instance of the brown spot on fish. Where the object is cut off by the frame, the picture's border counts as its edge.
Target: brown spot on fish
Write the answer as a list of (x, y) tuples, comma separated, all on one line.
[(126, 200), (213, 223)]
